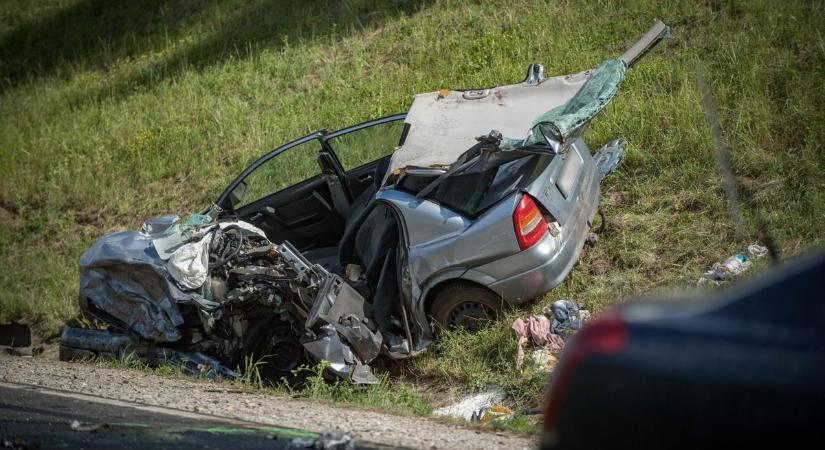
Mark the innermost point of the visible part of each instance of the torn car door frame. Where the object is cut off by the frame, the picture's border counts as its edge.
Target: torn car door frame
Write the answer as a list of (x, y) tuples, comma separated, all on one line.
[(328, 159), (323, 136)]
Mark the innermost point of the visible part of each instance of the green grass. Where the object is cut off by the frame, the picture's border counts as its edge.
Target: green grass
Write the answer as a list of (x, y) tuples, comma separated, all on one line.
[(114, 111), (387, 394)]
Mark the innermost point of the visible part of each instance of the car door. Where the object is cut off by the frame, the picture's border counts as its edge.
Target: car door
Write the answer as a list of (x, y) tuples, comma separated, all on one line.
[(358, 148), (284, 194)]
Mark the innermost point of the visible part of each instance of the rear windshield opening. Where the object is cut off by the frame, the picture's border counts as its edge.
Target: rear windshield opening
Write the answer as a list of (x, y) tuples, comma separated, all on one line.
[(473, 190)]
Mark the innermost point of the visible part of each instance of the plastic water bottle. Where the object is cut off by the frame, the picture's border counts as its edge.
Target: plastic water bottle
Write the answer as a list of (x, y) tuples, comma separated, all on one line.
[(735, 264)]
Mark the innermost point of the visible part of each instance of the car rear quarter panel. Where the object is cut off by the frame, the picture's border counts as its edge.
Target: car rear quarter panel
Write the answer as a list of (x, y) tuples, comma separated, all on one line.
[(444, 244), (528, 274)]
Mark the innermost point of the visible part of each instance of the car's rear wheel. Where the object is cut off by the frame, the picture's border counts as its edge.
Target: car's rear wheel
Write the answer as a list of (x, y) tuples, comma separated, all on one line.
[(465, 305)]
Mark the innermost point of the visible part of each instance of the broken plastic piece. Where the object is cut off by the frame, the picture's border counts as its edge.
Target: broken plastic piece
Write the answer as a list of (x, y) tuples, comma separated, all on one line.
[(83, 427), (494, 413), (610, 156), (472, 405)]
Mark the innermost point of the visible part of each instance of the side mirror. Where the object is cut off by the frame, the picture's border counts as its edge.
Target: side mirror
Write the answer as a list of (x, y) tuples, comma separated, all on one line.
[(237, 195)]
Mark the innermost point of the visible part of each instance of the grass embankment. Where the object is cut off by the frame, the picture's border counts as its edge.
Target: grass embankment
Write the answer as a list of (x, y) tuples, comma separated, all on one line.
[(114, 111)]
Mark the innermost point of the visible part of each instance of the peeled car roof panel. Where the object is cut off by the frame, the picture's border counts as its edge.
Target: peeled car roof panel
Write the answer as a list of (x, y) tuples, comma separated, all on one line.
[(444, 124)]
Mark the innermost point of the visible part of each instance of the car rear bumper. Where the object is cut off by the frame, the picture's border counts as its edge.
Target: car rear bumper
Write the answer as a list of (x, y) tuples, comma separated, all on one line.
[(530, 273)]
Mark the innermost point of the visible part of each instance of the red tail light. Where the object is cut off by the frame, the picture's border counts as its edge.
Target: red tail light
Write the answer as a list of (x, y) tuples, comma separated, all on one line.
[(606, 335), (528, 222)]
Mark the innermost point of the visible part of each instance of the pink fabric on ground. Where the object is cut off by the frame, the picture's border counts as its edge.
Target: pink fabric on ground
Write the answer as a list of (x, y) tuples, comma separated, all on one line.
[(536, 329)]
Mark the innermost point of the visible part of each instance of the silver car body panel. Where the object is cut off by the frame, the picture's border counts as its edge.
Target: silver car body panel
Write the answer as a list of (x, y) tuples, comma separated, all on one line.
[(532, 272), (444, 245)]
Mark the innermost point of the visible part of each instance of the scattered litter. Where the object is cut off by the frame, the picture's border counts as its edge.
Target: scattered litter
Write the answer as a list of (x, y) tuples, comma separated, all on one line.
[(327, 440), (492, 414), (733, 266), (548, 337), (82, 427), (535, 329), (542, 360), (568, 317), (757, 251), (473, 406)]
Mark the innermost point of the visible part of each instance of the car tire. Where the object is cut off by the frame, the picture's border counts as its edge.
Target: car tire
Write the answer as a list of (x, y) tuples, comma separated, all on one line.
[(465, 305)]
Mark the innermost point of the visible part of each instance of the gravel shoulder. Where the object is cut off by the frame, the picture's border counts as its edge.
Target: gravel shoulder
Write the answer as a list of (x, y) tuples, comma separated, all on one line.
[(220, 400)]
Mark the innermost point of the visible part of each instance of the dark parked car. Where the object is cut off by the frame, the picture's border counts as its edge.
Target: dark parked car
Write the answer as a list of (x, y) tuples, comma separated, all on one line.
[(744, 366)]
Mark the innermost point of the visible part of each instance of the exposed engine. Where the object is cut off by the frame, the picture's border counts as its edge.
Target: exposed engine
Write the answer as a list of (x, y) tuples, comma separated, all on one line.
[(222, 290)]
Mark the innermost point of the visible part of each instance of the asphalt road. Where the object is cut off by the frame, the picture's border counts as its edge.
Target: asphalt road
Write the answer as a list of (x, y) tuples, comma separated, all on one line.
[(33, 417), (207, 401)]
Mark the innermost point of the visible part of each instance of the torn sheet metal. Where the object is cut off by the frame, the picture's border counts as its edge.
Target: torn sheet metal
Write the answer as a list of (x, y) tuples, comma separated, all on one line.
[(565, 122), (610, 156), (123, 276), (159, 225), (327, 440), (221, 290), (327, 346), (443, 125)]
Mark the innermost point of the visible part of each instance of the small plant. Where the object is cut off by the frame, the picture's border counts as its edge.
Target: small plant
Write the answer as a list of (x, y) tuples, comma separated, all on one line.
[(250, 374), (386, 394), (82, 320), (167, 370), (128, 360)]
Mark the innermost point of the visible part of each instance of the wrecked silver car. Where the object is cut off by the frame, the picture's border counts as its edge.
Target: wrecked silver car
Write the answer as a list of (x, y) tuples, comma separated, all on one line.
[(471, 200)]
